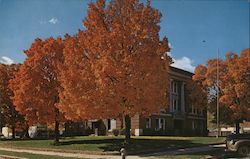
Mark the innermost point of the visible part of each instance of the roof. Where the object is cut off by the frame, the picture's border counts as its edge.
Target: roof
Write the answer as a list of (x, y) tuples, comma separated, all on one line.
[(184, 72)]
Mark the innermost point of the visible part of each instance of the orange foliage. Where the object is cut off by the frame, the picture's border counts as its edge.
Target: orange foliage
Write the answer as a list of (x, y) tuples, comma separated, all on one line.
[(118, 65), (9, 115), (80, 96), (35, 86), (196, 94), (234, 83)]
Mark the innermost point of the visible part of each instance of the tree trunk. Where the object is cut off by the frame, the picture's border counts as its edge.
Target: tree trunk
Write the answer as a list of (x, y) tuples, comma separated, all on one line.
[(1, 122), (122, 121), (237, 126), (13, 131), (26, 132), (127, 128), (56, 138), (13, 127)]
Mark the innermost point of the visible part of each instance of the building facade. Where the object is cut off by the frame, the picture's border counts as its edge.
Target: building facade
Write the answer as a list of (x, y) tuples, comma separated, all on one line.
[(177, 119)]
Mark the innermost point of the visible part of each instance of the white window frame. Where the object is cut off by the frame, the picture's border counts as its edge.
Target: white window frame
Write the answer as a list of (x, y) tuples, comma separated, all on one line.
[(161, 124), (148, 123), (112, 124), (174, 87), (175, 103)]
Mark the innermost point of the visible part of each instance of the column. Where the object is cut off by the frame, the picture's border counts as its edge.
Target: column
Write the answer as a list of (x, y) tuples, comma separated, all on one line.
[(183, 97), (170, 96)]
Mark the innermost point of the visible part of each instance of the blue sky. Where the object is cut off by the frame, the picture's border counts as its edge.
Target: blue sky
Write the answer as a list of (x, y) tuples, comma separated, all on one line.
[(196, 28)]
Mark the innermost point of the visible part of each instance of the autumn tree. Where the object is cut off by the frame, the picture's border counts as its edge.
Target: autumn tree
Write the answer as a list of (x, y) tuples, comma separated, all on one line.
[(233, 86), (120, 63), (80, 96), (236, 86), (9, 115), (196, 94), (36, 86)]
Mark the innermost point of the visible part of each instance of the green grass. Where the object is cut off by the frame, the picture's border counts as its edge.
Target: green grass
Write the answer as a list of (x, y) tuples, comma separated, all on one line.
[(28, 155), (108, 144), (217, 153)]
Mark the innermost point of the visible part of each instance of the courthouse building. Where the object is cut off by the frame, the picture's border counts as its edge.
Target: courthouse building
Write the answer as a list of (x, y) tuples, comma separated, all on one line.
[(177, 119)]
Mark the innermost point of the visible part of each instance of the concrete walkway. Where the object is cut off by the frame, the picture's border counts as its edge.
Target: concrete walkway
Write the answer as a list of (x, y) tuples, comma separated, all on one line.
[(88, 156), (9, 157), (64, 154)]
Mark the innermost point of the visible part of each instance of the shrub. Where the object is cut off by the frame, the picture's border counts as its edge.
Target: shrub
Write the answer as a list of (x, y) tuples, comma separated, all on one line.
[(115, 132), (122, 131)]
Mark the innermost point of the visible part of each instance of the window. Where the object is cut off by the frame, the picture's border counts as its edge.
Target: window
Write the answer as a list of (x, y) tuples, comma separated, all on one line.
[(174, 87), (160, 124), (204, 112), (193, 125), (175, 104), (198, 111), (194, 110), (109, 124), (148, 122), (175, 97), (157, 125), (113, 124)]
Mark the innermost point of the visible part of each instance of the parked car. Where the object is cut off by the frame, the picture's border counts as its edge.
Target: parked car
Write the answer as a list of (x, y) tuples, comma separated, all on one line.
[(239, 143)]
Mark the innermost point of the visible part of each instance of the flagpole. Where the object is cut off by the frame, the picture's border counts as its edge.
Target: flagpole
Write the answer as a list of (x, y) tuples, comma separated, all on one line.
[(217, 92)]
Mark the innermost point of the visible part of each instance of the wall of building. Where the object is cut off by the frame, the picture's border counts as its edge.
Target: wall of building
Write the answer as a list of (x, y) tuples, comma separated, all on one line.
[(179, 118)]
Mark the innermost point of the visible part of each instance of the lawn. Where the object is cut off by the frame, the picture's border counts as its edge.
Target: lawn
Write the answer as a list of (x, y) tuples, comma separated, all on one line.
[(217, 153), (108, 144), (8, 154)]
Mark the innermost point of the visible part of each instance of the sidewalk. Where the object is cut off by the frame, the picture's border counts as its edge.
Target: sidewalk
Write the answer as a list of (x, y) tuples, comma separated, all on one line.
[(88, 156), (64, 154)]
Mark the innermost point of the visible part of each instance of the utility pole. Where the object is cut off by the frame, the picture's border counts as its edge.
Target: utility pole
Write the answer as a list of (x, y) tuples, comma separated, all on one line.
[(217, 93)]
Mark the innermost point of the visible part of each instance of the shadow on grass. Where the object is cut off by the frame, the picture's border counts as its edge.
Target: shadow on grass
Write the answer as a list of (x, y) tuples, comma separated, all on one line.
[(137, 146), (110, 144), (23, 139)]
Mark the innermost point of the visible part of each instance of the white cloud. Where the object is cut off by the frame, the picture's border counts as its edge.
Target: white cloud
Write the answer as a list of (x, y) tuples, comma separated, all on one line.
[(6, 60), (169, 54), (170, 45), (53, 20), (184, 63), (50, 21), (42, 22)]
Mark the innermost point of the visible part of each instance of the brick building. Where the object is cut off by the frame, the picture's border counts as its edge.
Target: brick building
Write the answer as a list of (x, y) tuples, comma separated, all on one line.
[(178, 119)]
